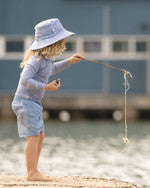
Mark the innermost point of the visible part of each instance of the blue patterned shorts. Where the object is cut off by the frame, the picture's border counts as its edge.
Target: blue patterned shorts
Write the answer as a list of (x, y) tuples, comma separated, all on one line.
[(29, 116)]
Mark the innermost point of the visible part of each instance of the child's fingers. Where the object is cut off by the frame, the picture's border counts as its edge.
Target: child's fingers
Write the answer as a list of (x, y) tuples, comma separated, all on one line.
[(58, 80), (57, 86), (78, 56), (52, 86), (77, 59), (57, 83)]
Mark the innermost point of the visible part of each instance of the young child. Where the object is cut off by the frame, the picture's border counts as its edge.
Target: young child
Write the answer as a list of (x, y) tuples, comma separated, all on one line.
[(37, 67)]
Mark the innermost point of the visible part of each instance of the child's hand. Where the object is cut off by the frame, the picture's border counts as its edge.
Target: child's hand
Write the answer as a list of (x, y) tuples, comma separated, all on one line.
[(74, 59), (53, 86)]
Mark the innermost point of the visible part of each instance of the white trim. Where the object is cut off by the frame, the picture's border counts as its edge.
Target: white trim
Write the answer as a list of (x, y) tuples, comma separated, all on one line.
[(27, 41), (148, 76), (106, 51), (2, 46), (79, 45)]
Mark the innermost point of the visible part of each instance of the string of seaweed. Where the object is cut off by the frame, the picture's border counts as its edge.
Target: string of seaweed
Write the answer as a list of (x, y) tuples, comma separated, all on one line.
[(126, 88)]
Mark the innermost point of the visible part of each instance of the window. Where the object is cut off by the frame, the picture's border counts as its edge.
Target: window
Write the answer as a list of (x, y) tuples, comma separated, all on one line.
[(120, 46), (92, 46), (71, 46), (141, 46), (14, 46)]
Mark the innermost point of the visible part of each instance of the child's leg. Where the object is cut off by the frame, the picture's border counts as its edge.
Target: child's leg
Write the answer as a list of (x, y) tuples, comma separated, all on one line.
[(32, 152), (40, 145)]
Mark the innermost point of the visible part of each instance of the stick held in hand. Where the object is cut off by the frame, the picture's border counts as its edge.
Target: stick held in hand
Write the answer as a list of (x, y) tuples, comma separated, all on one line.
[(101, 63)]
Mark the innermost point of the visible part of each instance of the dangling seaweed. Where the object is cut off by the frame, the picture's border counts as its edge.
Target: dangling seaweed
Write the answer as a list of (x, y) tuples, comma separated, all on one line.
[(126, 88)]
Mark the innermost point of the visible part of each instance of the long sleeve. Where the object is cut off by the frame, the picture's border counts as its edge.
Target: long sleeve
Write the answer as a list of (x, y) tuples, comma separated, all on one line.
[(28, 74), (59, 66)]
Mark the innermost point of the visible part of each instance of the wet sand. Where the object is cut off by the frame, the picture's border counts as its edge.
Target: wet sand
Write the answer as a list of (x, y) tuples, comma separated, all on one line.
[(64, 181)]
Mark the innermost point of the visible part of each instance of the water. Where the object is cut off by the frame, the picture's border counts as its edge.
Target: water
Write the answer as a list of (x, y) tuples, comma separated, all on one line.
[(88, 148)]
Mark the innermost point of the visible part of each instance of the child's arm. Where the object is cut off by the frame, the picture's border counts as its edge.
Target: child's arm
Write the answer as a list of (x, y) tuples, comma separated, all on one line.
[(27, 75), (60, 66)]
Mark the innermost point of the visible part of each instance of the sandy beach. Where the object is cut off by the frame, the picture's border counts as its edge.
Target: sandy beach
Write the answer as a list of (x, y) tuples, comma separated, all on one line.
[(64, 181)]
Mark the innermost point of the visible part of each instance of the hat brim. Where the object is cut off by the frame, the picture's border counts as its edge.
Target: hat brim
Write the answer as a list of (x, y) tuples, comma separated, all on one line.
[(38, 44)]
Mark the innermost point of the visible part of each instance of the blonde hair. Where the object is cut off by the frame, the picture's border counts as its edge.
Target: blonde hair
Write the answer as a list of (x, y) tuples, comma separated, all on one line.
[(46, 52)]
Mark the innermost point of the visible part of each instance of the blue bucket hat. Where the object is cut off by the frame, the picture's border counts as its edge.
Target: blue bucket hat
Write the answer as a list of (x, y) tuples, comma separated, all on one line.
[(48, 32)]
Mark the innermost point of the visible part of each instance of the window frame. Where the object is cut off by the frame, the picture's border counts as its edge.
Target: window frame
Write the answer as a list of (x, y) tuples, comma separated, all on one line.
[(120, 41), (146, 47), (75, 45), (95, 38), (15, 54)]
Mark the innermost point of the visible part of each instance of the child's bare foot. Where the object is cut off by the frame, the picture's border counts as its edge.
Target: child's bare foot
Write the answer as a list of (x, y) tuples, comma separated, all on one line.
[(37, 176)]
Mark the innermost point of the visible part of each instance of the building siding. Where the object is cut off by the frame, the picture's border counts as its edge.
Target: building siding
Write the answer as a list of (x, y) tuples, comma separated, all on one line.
[(84, 77), (82, 17)]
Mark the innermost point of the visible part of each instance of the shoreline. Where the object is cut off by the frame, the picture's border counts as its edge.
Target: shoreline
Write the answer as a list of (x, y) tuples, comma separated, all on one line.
[(64, 181)]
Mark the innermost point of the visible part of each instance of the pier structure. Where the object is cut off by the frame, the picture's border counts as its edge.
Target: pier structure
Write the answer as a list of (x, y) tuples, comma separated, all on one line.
[(86, 106)]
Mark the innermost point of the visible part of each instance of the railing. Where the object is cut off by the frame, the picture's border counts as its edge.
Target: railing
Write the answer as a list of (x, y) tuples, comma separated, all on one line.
[(109, 47)]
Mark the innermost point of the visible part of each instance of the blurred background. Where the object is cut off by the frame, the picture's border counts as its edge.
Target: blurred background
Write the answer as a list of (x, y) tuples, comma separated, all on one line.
[(116, 32), (88, 110)]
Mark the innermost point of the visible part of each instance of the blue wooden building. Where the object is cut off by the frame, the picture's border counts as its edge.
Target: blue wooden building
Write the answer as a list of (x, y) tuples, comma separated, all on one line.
[(115, 31)]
